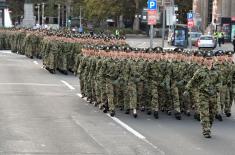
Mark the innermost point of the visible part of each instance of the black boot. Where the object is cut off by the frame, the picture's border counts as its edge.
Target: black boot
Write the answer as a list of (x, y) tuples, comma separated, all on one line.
[(207, 134), (149, 112), (96, 104), (228, 114), (178, 115), (105, 110), (112, 113), (155, 114), (169, 112), (142, 109), (219, 117), (127, 111), (135, 113), (187, 113), (197, 116)]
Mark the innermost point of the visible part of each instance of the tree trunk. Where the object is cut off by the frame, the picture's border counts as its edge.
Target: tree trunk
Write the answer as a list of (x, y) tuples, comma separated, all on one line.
[(136, 24), (121, 23)]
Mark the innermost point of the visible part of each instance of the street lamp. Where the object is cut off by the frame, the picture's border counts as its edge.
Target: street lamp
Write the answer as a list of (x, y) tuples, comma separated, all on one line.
[(58, 15), (38, 10), (43, 12)]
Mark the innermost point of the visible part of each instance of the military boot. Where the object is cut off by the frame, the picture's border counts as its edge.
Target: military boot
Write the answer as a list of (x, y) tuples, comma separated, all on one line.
[(207, 134), (155, 114), (219, 117), (112, 113), (178, 116), (135, 113)]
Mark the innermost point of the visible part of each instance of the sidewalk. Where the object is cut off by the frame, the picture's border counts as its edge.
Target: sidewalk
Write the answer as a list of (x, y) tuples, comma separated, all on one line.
[(144, 42)]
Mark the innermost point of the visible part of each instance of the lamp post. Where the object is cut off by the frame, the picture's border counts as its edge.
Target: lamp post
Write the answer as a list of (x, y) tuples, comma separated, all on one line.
[(80, 17), (164, 23), (38, 9), (43, 12), (58, 15)]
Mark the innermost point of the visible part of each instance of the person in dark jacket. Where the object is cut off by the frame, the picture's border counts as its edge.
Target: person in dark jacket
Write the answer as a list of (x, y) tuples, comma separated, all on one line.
[(234, 43)]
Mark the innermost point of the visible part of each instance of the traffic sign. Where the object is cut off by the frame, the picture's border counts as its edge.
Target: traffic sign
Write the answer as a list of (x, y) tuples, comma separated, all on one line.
[(190, 16), (152, 4), (152, 17), (190, 24)]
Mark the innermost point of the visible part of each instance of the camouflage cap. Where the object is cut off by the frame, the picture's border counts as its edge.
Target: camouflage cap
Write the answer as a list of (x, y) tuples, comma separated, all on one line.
[(209, 54), (158, 49)]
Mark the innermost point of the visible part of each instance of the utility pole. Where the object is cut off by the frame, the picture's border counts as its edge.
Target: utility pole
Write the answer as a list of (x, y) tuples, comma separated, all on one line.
[(68, 13), (38, 7), (58, 15), (80, 17), (43, 12), (164, 23)]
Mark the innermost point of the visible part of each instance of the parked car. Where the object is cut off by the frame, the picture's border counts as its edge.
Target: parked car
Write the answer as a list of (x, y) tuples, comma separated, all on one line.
[(194, 37), (206, 41)]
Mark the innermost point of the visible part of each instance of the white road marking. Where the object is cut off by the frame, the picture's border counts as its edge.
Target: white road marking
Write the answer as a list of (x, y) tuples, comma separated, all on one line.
[(136, 133), (6, 52), (128, 128), (35, 62), (131, 130), (79, 95), (32, 84), (68, 85)]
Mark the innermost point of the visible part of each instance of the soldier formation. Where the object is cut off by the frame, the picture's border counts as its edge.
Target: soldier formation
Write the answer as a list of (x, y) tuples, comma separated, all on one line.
[(113, 75)]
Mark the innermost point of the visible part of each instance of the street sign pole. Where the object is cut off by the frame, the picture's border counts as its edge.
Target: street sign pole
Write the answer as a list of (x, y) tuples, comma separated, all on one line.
[(163, 24), (151, 36), (152, 18), (190, 25), (190, 39)]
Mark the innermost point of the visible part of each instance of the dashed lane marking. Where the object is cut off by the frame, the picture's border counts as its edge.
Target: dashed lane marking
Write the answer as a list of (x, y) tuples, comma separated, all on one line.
[(68, 85), (32, 84)]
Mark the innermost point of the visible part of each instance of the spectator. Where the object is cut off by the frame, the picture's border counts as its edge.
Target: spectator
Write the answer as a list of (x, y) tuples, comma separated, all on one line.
[(222, 38), (234, 43)]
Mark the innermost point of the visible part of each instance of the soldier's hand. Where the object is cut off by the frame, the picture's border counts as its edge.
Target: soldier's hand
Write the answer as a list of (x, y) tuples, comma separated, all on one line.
[(186, 94)]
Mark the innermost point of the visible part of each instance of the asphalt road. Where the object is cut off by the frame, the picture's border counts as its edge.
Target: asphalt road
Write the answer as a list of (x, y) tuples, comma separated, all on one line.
[(43, 114)]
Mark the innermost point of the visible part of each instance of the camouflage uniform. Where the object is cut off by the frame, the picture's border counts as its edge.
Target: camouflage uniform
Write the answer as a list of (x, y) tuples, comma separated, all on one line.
[(208, 85)]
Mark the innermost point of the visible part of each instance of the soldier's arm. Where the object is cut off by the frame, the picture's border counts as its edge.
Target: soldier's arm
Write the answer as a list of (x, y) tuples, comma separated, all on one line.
[(193, 80)]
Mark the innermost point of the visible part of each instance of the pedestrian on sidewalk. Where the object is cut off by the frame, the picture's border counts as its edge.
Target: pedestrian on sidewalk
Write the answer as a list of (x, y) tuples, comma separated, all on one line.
[(220, 38), (234, 43)]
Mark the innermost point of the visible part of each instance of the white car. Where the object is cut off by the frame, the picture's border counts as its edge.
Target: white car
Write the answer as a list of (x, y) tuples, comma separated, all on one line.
[(194, 37), (206, 41)]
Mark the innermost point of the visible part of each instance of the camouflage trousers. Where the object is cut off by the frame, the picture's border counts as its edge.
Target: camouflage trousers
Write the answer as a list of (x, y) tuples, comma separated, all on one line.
[(119, 95), (88, 89), (63, 63), (154, 96), (101, 93), (132, 91), (82, 81), (110, 94), (207, 110), (175, 97), (194, 98), (223, 100), (52, 61), (126, 98)]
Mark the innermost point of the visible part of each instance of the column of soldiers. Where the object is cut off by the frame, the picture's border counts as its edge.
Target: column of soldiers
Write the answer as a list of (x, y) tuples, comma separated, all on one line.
[(113, 75), (58, 49), (173, 81)]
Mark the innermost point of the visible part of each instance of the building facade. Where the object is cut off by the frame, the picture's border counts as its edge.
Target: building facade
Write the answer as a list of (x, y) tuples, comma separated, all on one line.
[(215, 15), (3, 6)]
